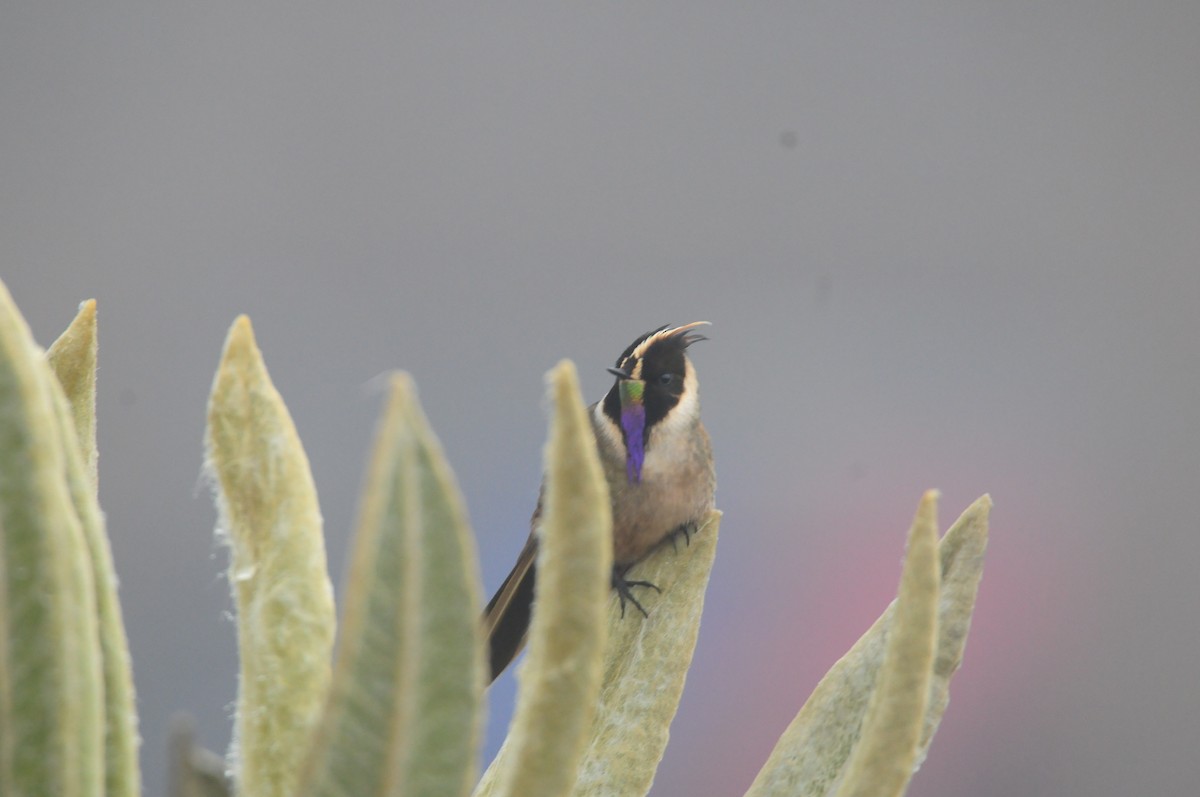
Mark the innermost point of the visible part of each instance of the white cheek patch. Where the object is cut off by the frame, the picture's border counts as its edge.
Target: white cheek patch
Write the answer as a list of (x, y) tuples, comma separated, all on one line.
[(606, 430)]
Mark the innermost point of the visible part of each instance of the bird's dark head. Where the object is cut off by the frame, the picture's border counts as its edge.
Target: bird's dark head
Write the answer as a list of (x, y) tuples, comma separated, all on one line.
[(655, 387)]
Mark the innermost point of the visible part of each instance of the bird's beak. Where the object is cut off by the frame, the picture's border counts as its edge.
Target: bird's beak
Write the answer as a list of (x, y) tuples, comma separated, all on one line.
[(620, 373)]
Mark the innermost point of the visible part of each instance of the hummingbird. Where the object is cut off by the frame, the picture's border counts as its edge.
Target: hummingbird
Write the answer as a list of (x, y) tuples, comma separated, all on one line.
[(657, 461)]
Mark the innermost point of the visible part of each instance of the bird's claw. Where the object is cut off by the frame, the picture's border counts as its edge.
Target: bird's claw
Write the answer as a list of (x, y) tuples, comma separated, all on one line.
[(626, 594), (687, 530)]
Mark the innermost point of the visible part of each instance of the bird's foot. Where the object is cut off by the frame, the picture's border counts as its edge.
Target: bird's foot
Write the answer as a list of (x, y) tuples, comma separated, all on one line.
[(685, 530), (625, 593)]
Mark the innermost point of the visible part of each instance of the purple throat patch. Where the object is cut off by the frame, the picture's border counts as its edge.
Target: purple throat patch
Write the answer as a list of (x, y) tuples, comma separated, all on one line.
[(633, 423)]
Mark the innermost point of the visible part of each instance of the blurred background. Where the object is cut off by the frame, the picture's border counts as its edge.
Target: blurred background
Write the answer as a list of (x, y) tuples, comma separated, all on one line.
[(941, 245)]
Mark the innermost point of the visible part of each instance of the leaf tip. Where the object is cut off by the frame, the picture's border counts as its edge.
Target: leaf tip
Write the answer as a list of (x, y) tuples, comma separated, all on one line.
[(562, 377), (925, 522), (401, 385), (241, 335)]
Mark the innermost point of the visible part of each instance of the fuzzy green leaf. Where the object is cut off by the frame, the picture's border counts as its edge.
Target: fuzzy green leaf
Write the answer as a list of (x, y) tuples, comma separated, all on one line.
[(882, 761), (359, 741), (961, 556), (73, 358), (51, 693), (404, 709), (560, 677), (814, 749), (443, 742), (270, 517), (645, 667)]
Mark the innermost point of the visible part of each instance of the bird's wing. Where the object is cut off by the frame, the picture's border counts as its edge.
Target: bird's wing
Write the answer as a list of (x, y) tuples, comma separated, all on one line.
[(506, 618)]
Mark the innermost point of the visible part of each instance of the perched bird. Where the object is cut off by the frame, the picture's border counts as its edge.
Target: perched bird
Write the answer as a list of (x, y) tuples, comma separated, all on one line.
[(659, 467)]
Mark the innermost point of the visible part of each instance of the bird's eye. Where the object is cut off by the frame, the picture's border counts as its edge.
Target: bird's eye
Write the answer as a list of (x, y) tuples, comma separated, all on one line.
[(666, 379)]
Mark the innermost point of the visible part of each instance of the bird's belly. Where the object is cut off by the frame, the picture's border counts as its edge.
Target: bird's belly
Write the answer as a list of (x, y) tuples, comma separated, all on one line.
[(666, 498)]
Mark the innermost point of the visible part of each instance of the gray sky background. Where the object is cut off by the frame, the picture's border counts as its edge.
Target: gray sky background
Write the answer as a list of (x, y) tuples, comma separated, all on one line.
[(942, 245)]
